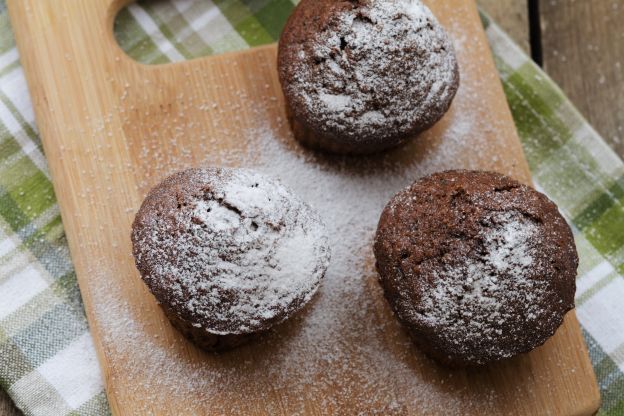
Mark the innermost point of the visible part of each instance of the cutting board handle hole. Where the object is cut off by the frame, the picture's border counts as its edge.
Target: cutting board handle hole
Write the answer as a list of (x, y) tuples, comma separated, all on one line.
[(141, 30)]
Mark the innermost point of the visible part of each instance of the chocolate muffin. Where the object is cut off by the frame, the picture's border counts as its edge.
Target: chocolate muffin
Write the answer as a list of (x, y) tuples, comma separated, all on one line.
[(228, 253), (360, 76), (477, 266)]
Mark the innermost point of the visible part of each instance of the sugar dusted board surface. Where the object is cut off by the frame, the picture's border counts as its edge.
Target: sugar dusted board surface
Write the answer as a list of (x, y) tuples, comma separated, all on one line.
[(112, 128)]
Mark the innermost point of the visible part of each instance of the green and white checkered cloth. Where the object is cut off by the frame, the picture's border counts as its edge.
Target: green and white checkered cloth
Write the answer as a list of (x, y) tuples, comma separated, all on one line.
[(47, 359)]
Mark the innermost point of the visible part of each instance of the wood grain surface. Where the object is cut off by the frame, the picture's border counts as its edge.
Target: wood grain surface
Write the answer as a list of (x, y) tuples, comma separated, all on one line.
[(112, 128), (583, 43), (512, 17), (7, 408)]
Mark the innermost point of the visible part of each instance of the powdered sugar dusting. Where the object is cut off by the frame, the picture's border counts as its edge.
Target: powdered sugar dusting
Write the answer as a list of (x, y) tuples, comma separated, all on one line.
[(383, 66), (508, 248), (347, 340), (335, 103), (342, 339), (471, 300), (347, 354), (248, 251)]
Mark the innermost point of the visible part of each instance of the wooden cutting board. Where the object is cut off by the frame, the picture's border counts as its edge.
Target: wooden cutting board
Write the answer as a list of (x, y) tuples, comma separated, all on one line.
[(112, 128)]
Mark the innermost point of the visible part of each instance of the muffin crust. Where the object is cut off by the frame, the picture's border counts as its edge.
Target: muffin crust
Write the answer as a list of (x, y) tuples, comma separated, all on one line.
[(477, 266)]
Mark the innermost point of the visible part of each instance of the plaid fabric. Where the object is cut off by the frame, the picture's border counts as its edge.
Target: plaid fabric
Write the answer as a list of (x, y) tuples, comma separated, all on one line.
[(47, 359)]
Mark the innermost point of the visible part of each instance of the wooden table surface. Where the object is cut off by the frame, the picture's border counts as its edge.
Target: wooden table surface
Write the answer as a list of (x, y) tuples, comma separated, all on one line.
[(582, 46), (582, 50)]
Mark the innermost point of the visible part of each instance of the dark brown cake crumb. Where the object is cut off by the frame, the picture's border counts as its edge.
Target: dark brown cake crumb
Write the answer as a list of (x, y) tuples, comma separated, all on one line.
[(477, 266), (364, 75), (228, 253)]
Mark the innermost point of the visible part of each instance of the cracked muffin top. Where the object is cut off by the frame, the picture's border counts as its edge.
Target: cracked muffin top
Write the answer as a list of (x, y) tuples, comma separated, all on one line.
[(476, 265), (229, 250), (371, 72)]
